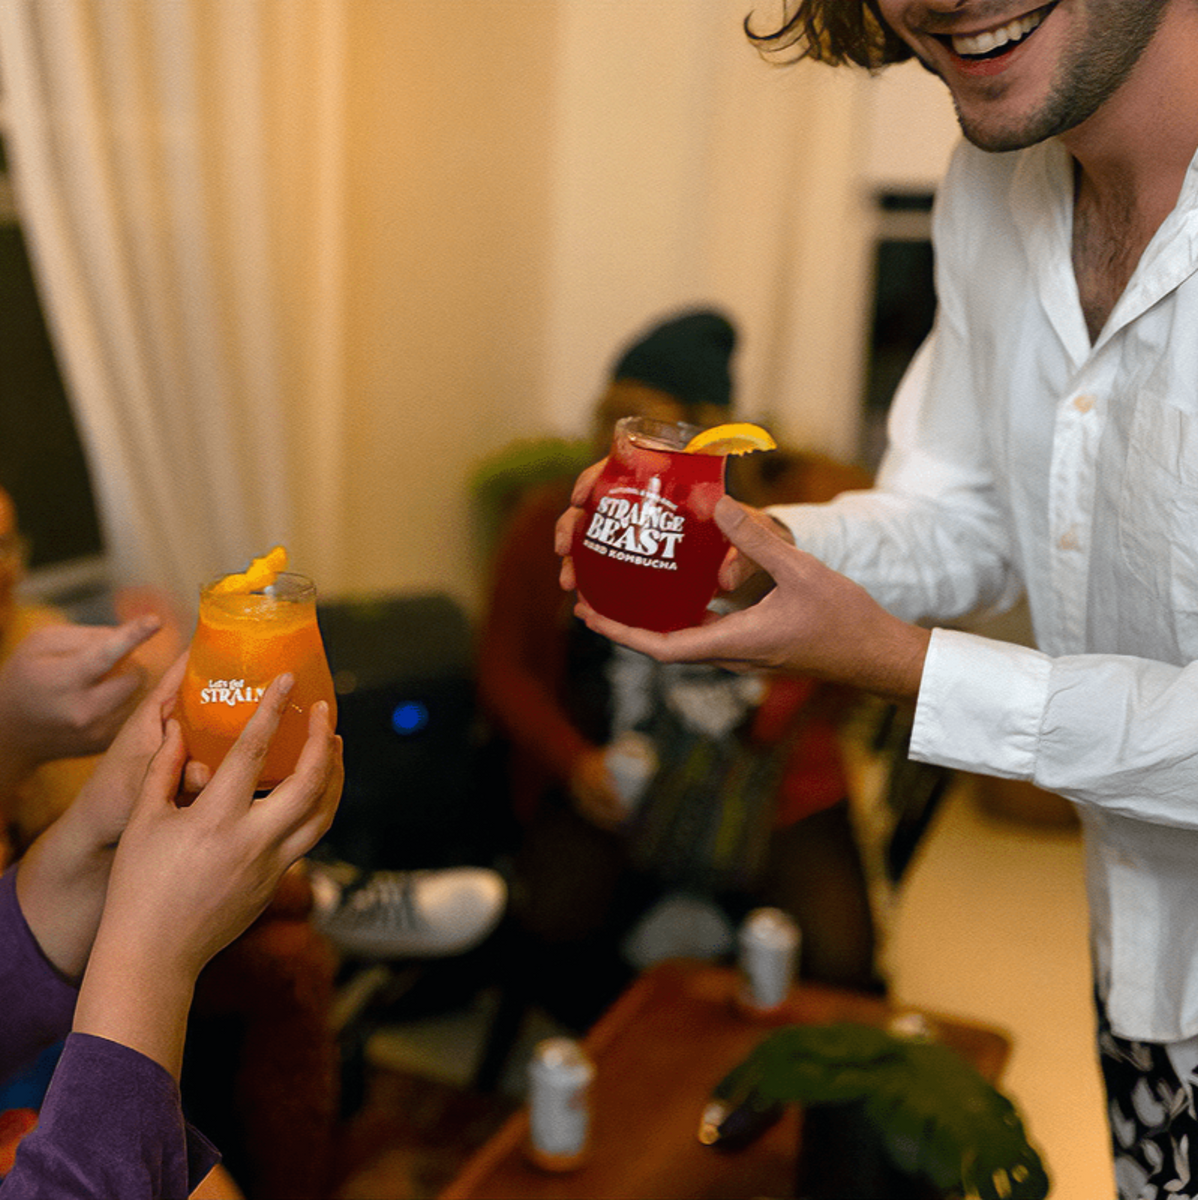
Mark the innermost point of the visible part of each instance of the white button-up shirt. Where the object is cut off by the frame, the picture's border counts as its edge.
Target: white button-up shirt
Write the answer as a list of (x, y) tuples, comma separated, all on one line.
[(1024, 457)]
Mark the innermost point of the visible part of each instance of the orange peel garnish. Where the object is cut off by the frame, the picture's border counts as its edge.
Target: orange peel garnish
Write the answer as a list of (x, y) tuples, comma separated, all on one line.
[(261, 573), (738, 437)]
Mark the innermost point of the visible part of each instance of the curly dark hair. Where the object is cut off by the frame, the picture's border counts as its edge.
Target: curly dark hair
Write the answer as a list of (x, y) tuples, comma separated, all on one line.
[(831, 31)]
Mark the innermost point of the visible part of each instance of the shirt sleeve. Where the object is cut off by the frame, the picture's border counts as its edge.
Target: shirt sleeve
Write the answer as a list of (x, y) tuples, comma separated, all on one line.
[(111, 1125), (1108, 730), (930, 540), (36, 1002)]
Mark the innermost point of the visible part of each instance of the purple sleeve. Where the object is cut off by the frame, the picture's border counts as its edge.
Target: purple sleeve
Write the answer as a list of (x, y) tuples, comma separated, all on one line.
[(36, 1003), (111, 1126)]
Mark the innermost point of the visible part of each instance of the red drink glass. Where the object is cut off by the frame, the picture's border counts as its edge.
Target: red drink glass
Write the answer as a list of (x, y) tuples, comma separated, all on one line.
[(649, 551)]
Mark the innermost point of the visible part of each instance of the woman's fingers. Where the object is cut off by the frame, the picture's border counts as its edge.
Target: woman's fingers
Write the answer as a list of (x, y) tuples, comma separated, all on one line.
[(304, 804), (166, 690), (239, 772), (107, 652), (161, 783)]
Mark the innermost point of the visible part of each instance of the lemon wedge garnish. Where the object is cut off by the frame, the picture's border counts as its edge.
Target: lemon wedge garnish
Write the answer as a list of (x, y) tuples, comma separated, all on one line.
[(261, 573), (739, 437)]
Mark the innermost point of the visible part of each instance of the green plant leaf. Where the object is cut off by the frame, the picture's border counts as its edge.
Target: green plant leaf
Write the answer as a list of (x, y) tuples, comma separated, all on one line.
[(934, 1112)]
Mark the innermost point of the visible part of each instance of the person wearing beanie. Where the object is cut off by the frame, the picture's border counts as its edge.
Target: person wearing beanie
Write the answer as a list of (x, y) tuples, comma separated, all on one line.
[(677, 369), (581, 910)]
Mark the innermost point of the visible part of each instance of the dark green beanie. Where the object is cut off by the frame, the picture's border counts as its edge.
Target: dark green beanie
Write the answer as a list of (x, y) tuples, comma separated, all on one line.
[(687, 356)]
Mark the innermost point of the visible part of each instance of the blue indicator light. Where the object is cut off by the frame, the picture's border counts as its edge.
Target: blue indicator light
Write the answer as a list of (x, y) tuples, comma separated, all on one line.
[(409, 717)]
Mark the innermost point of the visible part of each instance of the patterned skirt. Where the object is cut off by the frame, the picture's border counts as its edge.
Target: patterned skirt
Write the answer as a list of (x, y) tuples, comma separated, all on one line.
[(1151, 1107)]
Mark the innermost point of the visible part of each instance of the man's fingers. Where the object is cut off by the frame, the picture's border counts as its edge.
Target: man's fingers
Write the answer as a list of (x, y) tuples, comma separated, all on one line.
[(665, 647), (567, 523), (721, 641), (754, 535), (585, 482), (566, 577), (563, 531)]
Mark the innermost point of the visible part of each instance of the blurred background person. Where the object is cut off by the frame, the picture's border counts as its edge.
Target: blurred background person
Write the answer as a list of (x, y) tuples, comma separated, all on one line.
[(591, 903), (35, 793)]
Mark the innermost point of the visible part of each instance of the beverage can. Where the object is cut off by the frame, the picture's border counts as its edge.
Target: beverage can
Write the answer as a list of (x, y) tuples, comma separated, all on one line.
[(631, 762), (559, 1104), (768, 958)]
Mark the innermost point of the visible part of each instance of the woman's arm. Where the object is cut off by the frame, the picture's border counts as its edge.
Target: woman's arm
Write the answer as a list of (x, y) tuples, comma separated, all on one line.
[(186, 879)]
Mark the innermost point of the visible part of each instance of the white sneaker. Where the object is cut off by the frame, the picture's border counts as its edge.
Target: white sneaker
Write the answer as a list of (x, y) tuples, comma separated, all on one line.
[(679, 926), (405, 914)]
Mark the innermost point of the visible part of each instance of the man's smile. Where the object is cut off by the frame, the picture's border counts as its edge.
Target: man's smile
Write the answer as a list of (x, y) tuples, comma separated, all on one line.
[(1000, 39)]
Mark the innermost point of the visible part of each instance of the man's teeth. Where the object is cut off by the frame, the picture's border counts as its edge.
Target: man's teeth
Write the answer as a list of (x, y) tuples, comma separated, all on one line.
[(992, 39)]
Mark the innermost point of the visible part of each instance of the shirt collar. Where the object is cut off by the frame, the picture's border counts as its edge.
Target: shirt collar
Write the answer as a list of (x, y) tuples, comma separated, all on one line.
[(1042, 204)]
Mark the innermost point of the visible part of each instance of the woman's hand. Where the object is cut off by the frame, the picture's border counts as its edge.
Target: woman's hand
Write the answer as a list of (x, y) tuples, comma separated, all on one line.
[(190, 877), (64, 874), (66, 690)]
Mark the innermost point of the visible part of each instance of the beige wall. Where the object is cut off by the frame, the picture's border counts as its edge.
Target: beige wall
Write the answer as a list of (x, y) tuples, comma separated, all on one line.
[(447, 158), (453, 216), (530, 181)]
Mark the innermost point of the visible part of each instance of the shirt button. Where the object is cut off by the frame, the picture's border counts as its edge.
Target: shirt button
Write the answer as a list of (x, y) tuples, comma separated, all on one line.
[(1083, 404), (1068, 540)]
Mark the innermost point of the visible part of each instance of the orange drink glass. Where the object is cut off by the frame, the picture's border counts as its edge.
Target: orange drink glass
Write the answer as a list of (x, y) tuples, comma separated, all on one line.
[(243, 641), (648, 552)]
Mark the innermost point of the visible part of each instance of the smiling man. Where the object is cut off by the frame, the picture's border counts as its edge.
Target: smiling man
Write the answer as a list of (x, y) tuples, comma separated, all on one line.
[(1044, 440), (1019, 75)]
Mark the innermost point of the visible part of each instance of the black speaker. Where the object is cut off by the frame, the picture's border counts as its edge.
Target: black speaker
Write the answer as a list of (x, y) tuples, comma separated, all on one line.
[(403, 669)]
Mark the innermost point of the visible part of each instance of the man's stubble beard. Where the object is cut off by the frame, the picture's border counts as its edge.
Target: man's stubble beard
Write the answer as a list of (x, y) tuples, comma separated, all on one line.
[(1089, 75)]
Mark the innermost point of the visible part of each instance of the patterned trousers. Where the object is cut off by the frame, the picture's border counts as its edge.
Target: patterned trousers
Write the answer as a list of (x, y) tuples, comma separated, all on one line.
[(1151, 1107)]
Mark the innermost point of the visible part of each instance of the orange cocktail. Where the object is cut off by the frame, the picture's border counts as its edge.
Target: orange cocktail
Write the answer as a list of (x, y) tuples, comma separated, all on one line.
[(243, 640)]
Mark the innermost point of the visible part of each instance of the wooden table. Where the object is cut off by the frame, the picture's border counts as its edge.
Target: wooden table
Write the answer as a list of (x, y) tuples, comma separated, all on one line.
[(658, 1053)]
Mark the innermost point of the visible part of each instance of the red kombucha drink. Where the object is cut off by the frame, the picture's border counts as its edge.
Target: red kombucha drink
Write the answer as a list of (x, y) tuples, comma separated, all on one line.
[(649, 551)]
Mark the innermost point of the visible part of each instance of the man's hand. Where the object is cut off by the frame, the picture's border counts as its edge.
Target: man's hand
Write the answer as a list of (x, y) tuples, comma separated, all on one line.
[(567, 523), (814, 621), (737, 572), (66, 690)]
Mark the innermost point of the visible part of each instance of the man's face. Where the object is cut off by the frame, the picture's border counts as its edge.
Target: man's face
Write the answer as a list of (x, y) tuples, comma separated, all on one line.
[(1021, 71)]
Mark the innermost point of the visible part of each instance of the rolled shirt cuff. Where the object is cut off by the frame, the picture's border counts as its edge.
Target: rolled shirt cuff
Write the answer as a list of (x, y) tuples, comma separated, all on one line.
[(981, 705)]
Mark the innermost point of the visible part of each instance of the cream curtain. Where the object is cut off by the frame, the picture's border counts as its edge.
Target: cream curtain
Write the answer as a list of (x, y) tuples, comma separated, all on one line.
[(160, 151), (308, 261)]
